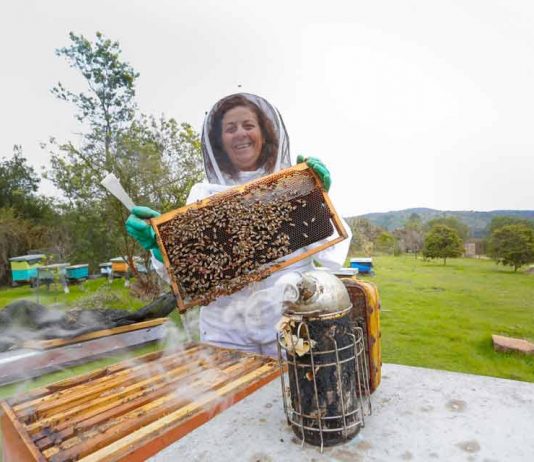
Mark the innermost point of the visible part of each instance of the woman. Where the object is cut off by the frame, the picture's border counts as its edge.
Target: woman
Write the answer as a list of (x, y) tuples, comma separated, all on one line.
[(243, 138)]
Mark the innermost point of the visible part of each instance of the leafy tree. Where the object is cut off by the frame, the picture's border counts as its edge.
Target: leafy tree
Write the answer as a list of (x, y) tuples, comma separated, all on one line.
[(160, 160), (18, 188), (512, 245), (109, 105), (106, 109), (501, 221), (442, 242), (17, 235), (26, 219), (156, 160), (385, 242), (410, 237), (452, 222), (364, 233), (414, 221)]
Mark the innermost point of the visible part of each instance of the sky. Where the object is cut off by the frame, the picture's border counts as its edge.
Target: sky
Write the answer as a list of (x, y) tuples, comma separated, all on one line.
[(409, 104)]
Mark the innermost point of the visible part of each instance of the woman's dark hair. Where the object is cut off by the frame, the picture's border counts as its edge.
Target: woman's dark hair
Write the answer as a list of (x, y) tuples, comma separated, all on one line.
[(269, 150)]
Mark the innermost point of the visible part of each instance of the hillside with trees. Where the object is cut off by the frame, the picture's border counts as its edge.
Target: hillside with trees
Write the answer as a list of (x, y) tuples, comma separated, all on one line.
[(508, 239), (477, 222)]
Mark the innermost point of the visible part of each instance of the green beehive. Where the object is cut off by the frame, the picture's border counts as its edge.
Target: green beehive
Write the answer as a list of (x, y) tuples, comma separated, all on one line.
[(24, 268)]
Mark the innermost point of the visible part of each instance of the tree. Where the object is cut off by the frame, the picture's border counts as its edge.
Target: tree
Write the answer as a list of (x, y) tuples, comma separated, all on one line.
[(156, 160), (160, 161), (26, 219), (18, 188), (17, 235), (385, 242), (452, 222), (442, 242), (106, 110), (501, 221), (364, 233), (109, 106), (512, 245), (410, 237), (409, 240), (414, 221)]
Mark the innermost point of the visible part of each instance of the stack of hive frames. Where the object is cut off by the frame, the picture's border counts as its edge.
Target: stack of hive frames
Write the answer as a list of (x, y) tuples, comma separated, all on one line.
[(130, 411), (219, 245)]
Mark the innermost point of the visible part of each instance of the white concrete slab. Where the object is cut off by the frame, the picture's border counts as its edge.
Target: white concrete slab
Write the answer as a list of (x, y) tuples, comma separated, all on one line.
[(418, 414)]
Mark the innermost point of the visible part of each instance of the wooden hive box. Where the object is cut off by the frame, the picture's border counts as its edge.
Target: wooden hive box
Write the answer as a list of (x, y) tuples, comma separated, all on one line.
[(365, 313), (119, 265), (131, 410), (219, 245)]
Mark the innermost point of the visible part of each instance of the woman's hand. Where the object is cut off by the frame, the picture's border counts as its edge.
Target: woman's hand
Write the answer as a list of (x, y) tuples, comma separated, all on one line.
[(141, 231), (319, 168)]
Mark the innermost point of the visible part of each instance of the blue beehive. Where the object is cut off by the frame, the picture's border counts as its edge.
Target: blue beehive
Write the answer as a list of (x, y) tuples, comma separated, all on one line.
[(363, 264), (78, 272), (51, 273), (24, 268)]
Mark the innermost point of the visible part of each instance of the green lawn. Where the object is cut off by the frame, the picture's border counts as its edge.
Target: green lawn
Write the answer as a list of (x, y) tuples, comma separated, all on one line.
[(442, 317), (432, 315), (115, 295)]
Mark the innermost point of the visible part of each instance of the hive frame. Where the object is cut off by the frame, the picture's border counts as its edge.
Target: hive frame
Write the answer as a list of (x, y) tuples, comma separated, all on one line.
[(90, 409), (181, 302)]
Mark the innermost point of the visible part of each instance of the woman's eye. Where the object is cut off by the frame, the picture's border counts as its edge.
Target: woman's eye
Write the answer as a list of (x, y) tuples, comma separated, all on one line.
[(230, 129)]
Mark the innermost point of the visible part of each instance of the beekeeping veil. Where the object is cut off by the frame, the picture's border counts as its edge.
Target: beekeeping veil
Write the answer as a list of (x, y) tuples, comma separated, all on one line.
[(213, 171)]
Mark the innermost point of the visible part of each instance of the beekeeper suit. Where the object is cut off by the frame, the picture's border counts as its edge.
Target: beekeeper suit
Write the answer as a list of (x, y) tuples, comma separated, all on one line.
[(246, 319)]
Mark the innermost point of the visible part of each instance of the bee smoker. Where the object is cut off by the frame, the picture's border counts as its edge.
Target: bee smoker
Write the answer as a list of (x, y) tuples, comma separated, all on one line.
[(324, 353)]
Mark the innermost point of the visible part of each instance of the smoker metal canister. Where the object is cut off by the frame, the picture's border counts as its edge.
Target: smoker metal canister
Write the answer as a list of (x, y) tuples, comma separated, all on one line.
[(324, 383)]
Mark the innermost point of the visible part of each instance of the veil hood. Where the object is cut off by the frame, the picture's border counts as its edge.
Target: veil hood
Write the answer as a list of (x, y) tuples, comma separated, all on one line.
[(213, 172)]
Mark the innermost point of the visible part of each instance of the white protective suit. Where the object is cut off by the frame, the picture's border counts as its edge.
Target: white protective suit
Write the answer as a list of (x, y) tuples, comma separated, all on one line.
[(246, 319)]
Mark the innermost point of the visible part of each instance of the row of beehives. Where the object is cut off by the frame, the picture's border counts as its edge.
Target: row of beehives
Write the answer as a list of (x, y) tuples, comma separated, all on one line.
[(29, 268)]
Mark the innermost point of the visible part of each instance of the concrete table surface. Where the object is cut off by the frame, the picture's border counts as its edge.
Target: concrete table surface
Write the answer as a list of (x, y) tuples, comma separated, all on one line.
[(418, 414)]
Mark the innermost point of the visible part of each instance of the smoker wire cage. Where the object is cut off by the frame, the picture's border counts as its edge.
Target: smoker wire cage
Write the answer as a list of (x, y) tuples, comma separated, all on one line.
[(327, 396), (219, 245), (131, 410)]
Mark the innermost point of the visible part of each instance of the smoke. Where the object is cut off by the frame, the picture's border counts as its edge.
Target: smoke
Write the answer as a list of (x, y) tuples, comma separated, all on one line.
[(184, 374)]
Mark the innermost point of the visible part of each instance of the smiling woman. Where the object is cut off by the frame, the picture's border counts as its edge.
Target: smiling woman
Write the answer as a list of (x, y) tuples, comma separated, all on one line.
[(242, 137)]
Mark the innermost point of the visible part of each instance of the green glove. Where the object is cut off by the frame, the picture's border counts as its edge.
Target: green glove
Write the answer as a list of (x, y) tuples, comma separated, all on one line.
[(141, 231), (319, 168)]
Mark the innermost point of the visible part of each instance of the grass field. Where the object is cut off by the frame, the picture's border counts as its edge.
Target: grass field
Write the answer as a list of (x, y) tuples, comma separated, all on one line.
[(442, 317), (433, 316), (115, 294)]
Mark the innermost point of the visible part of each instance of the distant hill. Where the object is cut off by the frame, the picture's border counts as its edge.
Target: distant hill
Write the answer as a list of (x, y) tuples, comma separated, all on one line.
[(477, 221)]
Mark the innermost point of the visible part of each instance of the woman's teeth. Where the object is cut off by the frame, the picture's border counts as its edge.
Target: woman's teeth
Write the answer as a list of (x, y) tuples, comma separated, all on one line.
[(242, 146)]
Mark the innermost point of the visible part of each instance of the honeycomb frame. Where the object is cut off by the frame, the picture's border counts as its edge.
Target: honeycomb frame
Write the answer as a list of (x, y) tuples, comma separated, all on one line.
[(308, 185)]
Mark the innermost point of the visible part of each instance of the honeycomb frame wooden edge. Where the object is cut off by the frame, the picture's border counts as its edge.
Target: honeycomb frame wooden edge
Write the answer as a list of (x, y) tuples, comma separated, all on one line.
[(334, 216)]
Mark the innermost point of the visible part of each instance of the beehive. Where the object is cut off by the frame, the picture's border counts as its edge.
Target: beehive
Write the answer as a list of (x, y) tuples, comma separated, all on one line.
[(130, 411), (219, 245)]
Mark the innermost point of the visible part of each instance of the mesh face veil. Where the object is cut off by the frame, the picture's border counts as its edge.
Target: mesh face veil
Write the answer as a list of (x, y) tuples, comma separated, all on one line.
[(215, 174)]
